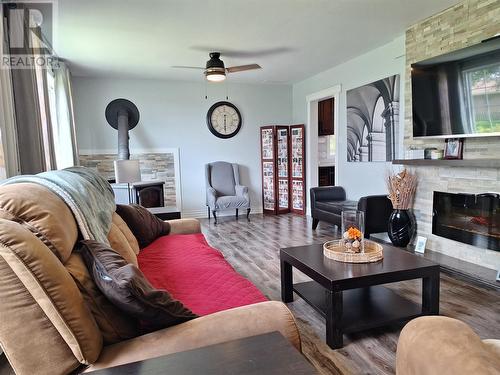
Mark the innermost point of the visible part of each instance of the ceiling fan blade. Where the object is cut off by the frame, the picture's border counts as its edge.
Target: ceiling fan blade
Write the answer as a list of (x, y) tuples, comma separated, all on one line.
[(242, 68), (187, 67)]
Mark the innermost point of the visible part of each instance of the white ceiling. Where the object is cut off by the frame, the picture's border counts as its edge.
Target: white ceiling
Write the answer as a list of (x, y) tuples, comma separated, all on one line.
[(290, 39)]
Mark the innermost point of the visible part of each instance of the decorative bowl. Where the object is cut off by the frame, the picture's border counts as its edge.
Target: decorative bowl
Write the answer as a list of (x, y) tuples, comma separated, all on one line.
[(335, 249)]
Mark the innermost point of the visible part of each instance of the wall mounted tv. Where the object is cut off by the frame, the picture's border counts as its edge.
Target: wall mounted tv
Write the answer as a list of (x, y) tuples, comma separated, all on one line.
[(458, 94)]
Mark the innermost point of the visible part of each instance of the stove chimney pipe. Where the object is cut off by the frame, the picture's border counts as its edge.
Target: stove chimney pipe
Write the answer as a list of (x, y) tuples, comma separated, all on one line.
[(122, 115)]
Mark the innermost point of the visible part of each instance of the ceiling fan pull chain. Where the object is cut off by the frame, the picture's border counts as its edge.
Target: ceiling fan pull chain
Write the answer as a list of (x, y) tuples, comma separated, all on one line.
[(227, 95)]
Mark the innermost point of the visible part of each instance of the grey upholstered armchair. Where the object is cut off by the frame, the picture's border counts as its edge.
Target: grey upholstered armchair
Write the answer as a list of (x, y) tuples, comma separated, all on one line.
[(224, 191)]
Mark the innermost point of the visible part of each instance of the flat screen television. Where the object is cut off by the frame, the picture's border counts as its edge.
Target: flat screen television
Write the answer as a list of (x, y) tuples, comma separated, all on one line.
[(458, 94)]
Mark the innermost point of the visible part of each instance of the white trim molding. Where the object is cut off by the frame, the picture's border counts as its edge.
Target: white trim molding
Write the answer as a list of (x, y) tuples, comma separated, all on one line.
[(330, 92), (312, 134), (161, 150)]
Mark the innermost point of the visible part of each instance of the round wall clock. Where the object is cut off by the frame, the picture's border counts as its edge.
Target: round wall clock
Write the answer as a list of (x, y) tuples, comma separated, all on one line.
[(224, 120)]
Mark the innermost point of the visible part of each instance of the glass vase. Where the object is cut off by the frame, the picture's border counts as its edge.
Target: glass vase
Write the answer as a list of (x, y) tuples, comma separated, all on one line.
[(353, 231)]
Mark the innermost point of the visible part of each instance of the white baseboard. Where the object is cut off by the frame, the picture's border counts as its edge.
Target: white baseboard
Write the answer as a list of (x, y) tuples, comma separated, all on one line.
[(197, 214)]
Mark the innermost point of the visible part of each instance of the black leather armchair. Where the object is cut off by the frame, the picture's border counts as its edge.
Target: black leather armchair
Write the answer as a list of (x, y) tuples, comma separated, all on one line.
[(328, 202)]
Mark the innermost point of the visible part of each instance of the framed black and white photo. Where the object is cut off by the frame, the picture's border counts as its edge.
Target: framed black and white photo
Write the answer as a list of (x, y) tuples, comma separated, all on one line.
[(373, 121), (453, 148)]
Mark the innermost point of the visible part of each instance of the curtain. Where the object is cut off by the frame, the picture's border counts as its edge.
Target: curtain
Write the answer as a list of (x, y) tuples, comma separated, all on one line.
[(26, 102), (43, 104), (46, 118), (63, 123), (8, 131)]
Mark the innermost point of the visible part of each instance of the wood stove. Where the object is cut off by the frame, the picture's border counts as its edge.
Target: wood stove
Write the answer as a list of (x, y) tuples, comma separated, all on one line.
[(148, 193), (469, 218)]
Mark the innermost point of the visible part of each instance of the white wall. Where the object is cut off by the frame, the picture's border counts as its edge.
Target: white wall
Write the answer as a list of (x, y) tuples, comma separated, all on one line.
[(173, 114), (359, 179)]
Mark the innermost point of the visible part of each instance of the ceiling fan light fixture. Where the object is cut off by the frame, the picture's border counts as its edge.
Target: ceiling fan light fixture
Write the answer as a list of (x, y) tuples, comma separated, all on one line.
[(215, 74), (215, 71)]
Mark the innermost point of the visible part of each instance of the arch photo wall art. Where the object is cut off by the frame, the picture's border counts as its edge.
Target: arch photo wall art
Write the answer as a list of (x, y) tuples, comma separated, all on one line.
[(373, 121)]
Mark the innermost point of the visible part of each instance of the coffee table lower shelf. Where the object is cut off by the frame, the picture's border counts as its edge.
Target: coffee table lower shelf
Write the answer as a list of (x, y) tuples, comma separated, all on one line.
[(363, 308)]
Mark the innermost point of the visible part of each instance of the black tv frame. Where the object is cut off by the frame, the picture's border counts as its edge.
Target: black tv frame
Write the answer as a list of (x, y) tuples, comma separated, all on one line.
[(487, 46)]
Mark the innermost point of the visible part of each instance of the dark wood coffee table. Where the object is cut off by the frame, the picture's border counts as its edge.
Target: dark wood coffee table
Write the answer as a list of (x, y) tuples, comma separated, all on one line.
[(350, 296), (267, 354)]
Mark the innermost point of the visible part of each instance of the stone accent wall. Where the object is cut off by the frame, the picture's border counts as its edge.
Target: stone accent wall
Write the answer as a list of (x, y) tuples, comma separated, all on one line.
[(154, 166), (460, 26)]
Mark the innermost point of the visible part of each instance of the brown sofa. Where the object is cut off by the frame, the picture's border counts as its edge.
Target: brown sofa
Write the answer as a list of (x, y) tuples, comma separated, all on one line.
[(437, 345), (47, 325)]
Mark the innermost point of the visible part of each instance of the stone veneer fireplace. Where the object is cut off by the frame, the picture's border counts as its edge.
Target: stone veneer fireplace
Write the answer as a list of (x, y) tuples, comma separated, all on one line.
[(453, 178), (154, 166), (462, 25)]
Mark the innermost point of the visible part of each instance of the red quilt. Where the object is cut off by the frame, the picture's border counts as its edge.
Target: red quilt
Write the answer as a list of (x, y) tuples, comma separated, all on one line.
[(196, 274)]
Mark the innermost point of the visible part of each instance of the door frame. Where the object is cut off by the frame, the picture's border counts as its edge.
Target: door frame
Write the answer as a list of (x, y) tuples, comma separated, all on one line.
[(312, 134)]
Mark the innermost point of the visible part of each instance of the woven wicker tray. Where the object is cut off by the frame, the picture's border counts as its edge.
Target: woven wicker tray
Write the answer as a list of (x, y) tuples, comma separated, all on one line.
[(335, 250)]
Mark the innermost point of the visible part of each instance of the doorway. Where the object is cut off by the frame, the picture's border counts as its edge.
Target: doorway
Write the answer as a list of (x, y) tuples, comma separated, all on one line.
[(312, 132)]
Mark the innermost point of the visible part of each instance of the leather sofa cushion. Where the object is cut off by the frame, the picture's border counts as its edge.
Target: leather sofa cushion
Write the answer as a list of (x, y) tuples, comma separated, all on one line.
[(184, 226), (337, 207), (53, 289), (132, 241), (119, 243), (493, 345), (212, 329), (442, 345), (145, 226), (128, 289), (196, 274), (114, 325), (43, 213), (23, 319)]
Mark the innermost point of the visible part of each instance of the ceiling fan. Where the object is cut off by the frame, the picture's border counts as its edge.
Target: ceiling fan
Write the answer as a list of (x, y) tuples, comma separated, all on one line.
[(215, 71)]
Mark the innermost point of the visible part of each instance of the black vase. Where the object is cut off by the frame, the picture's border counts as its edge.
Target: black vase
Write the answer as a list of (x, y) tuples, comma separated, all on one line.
[(401, 227)]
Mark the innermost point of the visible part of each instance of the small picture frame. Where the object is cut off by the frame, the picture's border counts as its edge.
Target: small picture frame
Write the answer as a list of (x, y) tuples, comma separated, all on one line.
[(420, 245), (454, 148)]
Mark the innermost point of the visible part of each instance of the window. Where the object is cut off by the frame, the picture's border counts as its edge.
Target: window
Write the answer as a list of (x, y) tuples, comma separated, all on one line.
[(61, 109), (483, 97), (46, 131)]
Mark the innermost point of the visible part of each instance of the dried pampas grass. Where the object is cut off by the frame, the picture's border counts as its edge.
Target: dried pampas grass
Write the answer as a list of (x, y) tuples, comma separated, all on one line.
[(402, 187)]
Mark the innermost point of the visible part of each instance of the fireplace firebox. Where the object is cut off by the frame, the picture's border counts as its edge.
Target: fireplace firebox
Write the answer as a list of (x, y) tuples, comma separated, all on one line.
[(149, 193), (469, 218)]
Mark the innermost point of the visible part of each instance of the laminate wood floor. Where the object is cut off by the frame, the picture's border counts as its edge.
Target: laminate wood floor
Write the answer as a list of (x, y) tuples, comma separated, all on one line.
[(252, 247)]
